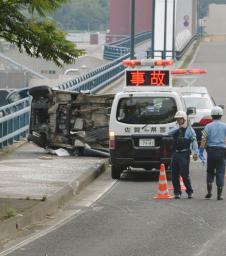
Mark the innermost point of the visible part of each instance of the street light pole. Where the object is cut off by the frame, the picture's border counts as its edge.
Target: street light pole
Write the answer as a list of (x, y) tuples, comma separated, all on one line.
[(198, 8), (173, 43), (165, 31), (132, 30)]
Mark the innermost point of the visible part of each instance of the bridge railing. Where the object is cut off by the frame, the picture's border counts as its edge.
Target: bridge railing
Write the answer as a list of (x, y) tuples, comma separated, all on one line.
[(121, 47), (104, 75), (15, 117), (14, 121), (97, 79), (178, 53)]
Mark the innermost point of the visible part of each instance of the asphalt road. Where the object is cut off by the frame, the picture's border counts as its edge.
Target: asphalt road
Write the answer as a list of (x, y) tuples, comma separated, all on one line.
[(127, 221), (212, 56)]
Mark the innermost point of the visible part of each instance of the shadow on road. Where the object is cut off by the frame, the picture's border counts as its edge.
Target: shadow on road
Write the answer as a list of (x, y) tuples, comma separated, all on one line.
[(142, 176)]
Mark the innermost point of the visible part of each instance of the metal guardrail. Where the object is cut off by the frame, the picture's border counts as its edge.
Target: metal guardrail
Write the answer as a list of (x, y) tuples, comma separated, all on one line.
[(119, 48), (104, 75), (15, 117), (14, 121), (180, 54), (19, 66), (97, 79)]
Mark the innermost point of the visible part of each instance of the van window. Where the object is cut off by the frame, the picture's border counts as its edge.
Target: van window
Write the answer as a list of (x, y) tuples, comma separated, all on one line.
[(146, 110)]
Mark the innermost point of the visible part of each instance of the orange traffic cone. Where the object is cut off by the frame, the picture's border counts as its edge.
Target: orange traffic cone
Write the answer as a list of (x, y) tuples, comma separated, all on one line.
[(182, 186), (163, 192)]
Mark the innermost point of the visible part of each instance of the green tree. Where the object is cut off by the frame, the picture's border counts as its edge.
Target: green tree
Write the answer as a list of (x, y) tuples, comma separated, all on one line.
[(83, 15), (25, 23)]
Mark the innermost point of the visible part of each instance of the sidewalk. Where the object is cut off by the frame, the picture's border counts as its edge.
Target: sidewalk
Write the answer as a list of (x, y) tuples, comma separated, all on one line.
[(34, 184)]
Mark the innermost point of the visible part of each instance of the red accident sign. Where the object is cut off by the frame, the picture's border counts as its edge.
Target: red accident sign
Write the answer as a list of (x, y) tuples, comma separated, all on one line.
[(147, 77)]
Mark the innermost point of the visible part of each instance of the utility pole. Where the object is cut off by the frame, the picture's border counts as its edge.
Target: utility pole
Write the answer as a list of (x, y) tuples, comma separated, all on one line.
[(132, 30), (153, 30)]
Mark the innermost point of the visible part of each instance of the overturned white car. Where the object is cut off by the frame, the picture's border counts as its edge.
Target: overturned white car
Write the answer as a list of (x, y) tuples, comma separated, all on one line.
[(76, 121)]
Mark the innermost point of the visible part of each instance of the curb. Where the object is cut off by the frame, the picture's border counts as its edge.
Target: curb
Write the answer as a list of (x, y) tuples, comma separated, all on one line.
[(10, 148), (10, 228), (189, 52)]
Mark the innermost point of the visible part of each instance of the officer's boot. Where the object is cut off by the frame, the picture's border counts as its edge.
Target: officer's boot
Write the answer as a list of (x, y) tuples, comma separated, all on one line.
[(219, 193), (209, 191)]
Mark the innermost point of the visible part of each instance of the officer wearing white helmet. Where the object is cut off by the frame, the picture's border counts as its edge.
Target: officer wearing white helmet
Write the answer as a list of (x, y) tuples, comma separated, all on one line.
[(181, 114), (183, 138), (213, 139)]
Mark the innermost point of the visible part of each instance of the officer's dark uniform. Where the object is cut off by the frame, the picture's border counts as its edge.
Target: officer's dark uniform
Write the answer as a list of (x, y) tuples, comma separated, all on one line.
[(183, 137), (215, 134)]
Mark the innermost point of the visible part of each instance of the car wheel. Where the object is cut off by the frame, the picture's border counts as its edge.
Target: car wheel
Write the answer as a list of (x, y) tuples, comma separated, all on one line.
[(116, 171), (39, 139)]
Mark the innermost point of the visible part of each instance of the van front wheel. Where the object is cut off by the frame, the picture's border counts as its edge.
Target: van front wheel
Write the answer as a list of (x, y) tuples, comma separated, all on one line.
[(116, 171)]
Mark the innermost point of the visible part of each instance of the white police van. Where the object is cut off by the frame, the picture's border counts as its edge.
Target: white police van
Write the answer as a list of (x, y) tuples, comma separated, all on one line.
[(141, 117)]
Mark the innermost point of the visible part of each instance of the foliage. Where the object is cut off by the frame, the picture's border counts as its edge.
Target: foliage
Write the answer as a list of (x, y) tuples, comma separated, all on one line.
[(83, 15), (93, 15), (9, 211), (25, 24)]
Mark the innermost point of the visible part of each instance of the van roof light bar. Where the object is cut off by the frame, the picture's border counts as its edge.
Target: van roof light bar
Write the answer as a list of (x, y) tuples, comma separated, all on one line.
[(147, 62), (189, 76), (195, 71)]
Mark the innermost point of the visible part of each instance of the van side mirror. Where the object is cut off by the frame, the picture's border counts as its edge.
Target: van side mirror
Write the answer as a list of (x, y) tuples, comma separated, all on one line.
[(222, 106), (191, 111)]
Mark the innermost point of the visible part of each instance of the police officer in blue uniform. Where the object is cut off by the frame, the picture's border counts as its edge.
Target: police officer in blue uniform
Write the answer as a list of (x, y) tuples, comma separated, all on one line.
[(183, 137), (213, 139)]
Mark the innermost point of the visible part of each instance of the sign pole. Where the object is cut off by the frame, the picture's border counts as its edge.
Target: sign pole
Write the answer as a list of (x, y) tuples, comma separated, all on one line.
[(165, 31), (173, 43), (153, 31), (132, 30)]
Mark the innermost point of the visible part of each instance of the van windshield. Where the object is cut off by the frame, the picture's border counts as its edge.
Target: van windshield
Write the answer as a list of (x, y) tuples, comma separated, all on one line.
[(146, 110)]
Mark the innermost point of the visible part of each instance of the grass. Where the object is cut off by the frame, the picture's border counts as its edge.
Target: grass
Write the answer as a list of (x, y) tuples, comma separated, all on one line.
[(9, 211)]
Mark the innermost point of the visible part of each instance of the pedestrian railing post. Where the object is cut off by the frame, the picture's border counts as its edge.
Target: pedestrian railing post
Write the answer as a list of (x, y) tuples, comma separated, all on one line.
[(13, 122)]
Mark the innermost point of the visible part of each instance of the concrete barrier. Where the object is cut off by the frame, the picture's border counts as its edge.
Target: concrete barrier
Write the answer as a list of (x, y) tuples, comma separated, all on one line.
[(10, 227)]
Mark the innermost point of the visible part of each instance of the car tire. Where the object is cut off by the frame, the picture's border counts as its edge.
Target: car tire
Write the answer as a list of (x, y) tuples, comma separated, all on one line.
[(40, 140), (116, 171)]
